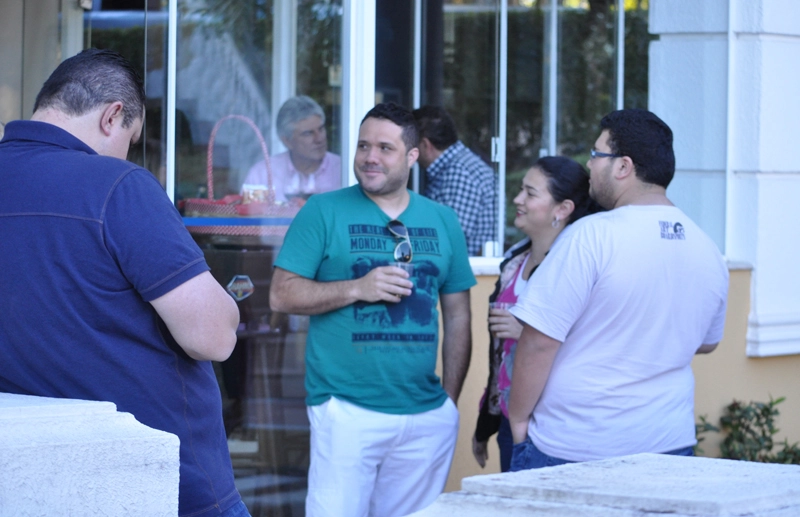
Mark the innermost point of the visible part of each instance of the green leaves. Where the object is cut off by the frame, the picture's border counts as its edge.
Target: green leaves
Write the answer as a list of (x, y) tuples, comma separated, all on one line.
[(750, 429)]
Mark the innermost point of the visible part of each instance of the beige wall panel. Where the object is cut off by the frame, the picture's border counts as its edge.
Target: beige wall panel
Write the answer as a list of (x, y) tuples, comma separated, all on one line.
[(728, 374), (464, 464), (41, 48)]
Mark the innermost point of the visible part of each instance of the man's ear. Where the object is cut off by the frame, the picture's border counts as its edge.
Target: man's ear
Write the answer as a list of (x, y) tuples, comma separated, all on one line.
[(412, 156), (625, 168), (112, 116)]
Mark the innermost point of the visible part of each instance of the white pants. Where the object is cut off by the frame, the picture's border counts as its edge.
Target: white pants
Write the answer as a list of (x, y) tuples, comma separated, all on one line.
[(369, 463)]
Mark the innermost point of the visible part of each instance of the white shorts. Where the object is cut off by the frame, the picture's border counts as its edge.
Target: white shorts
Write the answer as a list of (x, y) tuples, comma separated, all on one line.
[(365, 463)]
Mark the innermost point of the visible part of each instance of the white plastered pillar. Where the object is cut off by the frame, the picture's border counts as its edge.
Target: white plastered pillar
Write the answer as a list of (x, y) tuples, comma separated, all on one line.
[(738, 162)]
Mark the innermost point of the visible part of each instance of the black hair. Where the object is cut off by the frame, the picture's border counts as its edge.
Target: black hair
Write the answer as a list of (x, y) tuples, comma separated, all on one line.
[(90, 79), (400, 116), (435, 124), (646, 140), (567, 179)]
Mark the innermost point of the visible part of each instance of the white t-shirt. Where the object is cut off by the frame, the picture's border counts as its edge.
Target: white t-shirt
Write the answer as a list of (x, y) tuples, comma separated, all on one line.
[(631, 294)]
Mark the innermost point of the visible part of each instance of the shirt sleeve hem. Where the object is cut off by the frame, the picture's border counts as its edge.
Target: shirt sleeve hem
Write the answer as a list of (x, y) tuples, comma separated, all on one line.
[(174, 280), (534, 318)]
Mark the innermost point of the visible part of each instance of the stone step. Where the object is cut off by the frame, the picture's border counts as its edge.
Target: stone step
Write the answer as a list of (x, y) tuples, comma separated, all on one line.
[(637, 485)]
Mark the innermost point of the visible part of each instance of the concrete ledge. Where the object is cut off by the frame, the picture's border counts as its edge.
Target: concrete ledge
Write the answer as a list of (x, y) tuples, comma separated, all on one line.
[(73, 457), (640, 485)]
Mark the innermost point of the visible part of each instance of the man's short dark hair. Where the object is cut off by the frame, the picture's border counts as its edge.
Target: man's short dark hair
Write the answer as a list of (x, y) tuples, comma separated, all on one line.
[(645, 139), (400, 116), (435, 124), (91, 79)]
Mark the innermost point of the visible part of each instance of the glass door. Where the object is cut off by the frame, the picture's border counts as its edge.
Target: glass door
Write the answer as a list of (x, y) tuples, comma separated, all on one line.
[(448, 53), (258, 129)]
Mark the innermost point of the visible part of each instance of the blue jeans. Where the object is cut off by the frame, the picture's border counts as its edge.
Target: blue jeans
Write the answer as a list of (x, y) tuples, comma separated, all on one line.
[(506, 443), (237, 510), (525, 455)]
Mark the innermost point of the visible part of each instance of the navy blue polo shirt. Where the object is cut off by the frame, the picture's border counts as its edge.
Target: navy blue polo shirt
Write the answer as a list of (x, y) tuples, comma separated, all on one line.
[(86, 241)]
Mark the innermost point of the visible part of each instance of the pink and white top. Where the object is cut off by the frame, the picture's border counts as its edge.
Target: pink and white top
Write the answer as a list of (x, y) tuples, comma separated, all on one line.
[(509, 295)]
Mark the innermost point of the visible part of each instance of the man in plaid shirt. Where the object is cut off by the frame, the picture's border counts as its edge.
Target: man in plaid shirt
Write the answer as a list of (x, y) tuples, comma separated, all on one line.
[(457, 177)]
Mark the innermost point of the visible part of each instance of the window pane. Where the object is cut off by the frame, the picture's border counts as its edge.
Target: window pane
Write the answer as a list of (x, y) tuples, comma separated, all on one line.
[(138, 33), (319, 61), (469, 92), (527, 100), (460, 73), (586, 72), (241, 66), (637, 46)]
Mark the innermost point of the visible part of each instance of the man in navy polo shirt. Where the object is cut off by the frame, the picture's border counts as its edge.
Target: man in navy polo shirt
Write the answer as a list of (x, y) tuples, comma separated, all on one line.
[(106, 295)]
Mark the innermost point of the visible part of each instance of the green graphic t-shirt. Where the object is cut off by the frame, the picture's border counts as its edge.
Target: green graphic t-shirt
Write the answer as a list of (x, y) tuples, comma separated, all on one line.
[(380, 356)]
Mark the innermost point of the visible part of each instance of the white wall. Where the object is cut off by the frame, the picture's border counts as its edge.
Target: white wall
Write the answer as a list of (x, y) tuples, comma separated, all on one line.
[(760, 177)]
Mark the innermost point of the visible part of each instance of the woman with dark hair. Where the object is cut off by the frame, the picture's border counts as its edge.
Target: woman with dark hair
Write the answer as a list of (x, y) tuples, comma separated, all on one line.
[(554, 193)]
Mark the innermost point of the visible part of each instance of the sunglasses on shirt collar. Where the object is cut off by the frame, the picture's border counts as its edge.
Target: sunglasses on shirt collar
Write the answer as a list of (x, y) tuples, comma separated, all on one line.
[(402, 252)]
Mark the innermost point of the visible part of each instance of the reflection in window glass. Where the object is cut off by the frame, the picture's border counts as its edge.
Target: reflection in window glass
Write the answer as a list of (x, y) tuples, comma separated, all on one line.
[(586, 73), (318, 62), (137, 30), (637, 45), (586, 81), (527, 100), (458, 33), (469, 92), (252, 72)]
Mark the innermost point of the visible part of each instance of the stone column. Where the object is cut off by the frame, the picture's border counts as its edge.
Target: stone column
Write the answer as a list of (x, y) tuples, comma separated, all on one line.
[(738, 162), (641, 485)]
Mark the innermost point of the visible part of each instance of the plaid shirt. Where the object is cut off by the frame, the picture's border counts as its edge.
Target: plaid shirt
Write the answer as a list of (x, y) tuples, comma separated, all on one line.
[(459, 179)]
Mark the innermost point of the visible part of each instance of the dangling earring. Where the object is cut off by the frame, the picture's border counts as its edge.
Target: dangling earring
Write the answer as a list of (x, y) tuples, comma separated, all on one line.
[(555, 222)]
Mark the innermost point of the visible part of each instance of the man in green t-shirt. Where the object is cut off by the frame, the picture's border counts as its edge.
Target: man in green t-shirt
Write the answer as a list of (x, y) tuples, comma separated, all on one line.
[(383, 425)]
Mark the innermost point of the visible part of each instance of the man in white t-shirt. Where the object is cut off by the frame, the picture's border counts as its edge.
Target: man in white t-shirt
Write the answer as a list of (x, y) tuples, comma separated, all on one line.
[(616, 312)]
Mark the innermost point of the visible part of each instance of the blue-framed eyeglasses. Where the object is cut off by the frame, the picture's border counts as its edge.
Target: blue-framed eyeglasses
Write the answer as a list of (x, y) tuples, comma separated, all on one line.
[(597, 154)]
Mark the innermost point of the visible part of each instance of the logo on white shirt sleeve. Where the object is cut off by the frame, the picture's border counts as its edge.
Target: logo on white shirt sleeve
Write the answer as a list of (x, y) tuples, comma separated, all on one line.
[(672, 231)]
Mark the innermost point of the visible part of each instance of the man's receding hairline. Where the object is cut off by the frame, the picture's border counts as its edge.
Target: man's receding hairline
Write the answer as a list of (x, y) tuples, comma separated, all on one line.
[(380, 118), (402, 130)]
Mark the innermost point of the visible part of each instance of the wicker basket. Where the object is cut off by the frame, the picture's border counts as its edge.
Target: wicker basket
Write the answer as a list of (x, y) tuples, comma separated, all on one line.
[(231, 206)]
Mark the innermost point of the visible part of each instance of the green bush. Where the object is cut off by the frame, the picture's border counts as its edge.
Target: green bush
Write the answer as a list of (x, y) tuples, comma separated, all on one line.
[(749, 430)]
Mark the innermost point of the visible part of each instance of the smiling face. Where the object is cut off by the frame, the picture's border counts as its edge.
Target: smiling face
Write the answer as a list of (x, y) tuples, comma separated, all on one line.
[(536, 208), (382, 162)]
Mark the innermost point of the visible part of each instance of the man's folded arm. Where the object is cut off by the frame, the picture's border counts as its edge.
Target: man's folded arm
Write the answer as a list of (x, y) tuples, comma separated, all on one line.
[(201, 317), (294, 294)]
